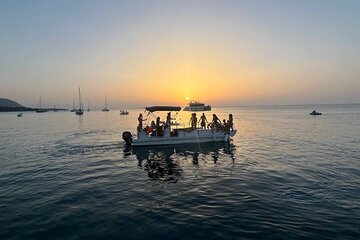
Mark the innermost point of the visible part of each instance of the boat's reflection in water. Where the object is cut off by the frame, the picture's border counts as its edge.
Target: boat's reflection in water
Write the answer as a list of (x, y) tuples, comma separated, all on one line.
[(164, 162)]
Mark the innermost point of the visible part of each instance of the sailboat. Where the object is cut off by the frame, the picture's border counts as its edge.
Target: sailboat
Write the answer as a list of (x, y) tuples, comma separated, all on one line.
[(79, 111), (105, 109), (40, 110), (73, 110)]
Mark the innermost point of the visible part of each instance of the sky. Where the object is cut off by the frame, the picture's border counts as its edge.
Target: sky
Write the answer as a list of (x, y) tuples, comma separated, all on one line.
[(139, 53)]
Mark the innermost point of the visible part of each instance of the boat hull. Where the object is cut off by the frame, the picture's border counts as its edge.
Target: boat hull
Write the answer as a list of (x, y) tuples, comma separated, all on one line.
[(195, 136)]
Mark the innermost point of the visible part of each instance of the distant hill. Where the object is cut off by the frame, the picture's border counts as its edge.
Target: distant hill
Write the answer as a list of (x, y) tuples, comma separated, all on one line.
[(7, 105), (4, 102)]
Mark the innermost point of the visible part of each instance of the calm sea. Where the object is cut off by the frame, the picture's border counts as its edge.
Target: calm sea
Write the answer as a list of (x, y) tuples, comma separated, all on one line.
[(285, 175)]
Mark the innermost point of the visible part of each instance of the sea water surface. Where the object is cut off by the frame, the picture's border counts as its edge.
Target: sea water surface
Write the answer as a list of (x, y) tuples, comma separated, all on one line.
[(285, 175)]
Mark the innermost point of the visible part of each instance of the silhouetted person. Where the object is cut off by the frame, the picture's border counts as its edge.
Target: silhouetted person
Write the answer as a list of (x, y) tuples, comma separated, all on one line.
[(193, 120), (158, 127), (168, 121), (231, 121), (227, 126), (215, 123), (141, 120), (153, 126), (203, 121)]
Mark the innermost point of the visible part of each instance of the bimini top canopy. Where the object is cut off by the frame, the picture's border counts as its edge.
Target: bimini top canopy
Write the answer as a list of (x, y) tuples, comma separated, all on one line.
[(163, 108)]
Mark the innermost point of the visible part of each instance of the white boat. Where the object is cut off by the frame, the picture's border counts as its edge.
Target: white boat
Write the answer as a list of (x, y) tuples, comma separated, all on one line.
[(195, 106), (177, 135), (80, 111), (124, 112)]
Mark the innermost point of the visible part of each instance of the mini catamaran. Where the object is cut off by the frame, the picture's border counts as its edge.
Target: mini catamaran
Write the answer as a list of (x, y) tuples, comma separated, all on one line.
[(80, 111), (164, 135)]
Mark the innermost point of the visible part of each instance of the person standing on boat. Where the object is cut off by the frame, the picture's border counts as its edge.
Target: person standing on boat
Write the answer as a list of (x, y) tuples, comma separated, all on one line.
[(141, 120), (168, 121), (193, 120), (203, 121), (159, 129), (231, 121)]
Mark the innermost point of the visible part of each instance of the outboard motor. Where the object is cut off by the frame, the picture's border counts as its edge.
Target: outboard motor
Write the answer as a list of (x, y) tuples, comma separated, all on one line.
[(127, 136)]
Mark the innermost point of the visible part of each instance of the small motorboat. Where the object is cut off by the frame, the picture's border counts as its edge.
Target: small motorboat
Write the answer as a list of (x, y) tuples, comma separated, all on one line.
[(124, 112), (315, 113), (20, 115)]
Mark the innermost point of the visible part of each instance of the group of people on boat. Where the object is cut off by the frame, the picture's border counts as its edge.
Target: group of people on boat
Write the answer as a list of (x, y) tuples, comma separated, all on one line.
[(158, 127), (216, 123)]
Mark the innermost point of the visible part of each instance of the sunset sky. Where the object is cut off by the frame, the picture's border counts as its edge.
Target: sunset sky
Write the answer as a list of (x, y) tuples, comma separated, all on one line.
[(137, 53)]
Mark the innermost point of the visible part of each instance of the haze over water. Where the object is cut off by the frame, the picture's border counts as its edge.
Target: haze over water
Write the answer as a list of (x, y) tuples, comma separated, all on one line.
[(286, 174), (225, 53)]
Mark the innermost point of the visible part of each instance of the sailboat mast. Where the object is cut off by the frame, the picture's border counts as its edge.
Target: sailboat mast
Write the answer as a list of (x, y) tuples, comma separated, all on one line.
[(80, 103)]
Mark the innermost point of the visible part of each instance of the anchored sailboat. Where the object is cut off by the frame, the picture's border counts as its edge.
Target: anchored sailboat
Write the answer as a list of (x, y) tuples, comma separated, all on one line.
[(79, 111), (40, 109), (105, 109)]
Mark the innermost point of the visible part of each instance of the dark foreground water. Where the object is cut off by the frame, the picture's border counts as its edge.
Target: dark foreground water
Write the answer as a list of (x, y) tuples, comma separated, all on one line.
[(286, 175)]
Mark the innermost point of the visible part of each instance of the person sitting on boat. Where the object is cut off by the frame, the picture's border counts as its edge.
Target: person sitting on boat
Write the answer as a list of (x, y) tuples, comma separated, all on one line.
[(231, 121), (193, 120), (153, 125), (215, 123), (148, 130), (227, 126), (141, 120), (203, 121), (223, 126)]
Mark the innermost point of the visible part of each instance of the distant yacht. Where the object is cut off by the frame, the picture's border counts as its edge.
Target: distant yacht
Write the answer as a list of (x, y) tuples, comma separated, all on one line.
[(40, 109), (79, 111), (195, 106), (124, 112), (105, 109)]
